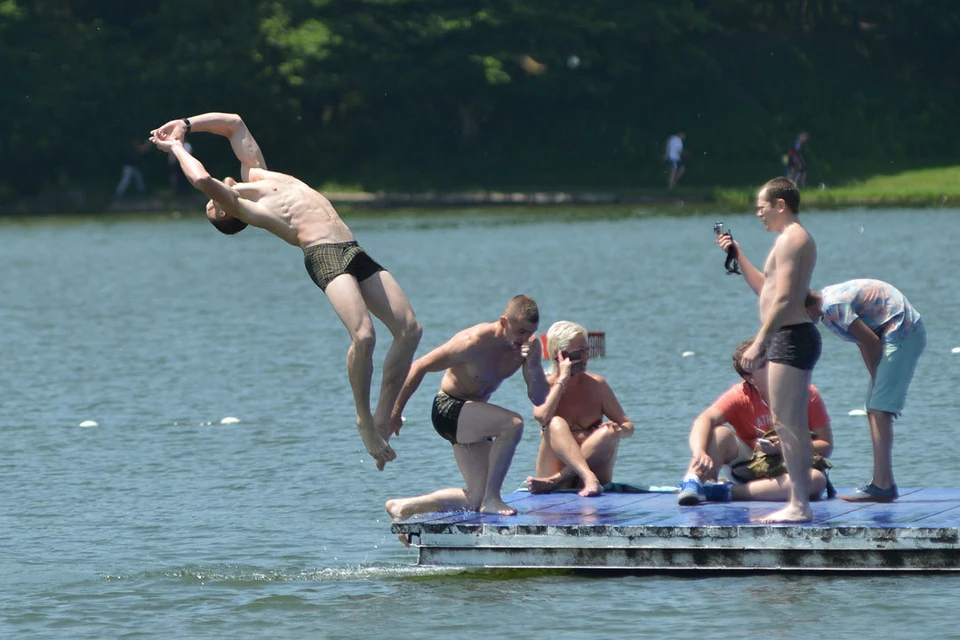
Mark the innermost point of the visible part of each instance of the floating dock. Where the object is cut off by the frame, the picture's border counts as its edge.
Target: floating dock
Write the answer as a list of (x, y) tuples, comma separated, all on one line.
[(650, 532)]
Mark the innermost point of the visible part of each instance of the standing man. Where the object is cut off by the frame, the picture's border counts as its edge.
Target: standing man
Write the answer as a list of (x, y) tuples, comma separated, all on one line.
[(354, 283), (787, 339), (674, 156), (484, 436), (890, 333)]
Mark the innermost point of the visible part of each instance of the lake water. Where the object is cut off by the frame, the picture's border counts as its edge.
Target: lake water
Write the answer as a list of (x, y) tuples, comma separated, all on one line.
[(162, 522)]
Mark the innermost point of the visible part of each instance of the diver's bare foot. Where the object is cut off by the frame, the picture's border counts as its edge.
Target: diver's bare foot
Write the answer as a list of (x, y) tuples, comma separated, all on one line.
[(543, 485), (789, 513), (376, 446), (383, 428), (496, 506), (591, 488)]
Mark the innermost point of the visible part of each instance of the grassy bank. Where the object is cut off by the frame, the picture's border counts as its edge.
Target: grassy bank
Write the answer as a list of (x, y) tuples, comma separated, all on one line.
[(920, 188), (924, 187)]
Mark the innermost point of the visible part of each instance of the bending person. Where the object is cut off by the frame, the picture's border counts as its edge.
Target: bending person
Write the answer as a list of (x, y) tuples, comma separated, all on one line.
[(354, 283), (578, 448), (484, 436), (877, 317), (746, 408), (787, 339)]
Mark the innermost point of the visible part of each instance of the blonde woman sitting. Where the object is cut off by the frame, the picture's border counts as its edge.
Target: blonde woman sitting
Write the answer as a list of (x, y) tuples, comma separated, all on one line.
[(578, 448)]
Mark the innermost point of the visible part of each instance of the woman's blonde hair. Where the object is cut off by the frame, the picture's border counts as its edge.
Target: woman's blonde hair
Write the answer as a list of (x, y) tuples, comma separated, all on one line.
[(559, 337)]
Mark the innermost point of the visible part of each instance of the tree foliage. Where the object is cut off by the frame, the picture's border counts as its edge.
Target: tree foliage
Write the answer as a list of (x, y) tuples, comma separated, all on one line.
[(411, 94)]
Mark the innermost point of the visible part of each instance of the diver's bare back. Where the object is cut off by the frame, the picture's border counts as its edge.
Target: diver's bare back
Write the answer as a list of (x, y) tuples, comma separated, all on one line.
[(487, 361), (291, 210)]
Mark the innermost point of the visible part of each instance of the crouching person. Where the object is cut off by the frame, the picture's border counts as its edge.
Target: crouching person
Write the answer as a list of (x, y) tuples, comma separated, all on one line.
[(749, 448), (484, 436)]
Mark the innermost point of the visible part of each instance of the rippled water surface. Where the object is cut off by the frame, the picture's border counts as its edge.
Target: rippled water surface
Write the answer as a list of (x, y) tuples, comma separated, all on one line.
[(160, 521)]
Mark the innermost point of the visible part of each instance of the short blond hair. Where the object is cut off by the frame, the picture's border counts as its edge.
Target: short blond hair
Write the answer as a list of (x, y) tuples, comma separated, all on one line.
[(560, 335)]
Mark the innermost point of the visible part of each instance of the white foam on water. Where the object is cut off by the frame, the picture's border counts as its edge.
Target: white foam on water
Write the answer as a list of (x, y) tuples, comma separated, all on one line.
[(88, 423), (857, 412), (687, 354), (955, 350), (230, 420)]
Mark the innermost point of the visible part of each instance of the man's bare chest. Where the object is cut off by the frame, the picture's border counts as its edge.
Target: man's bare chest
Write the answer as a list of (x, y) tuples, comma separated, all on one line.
[(494, 367)]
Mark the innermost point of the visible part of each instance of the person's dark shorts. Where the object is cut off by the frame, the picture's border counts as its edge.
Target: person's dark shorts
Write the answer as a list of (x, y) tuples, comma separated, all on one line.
[(324, 262), (445, 415), (795, 345)]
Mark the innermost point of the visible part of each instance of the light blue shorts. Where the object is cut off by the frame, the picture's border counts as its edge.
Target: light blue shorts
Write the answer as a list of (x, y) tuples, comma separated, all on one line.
[(895, 371)]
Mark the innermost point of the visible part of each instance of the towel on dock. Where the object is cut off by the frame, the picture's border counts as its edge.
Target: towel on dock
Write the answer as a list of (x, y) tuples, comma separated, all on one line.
[(621, 487)]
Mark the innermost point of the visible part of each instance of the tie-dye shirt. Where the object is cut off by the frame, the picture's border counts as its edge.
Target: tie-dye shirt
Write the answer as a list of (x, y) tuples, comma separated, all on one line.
[(877, 304)]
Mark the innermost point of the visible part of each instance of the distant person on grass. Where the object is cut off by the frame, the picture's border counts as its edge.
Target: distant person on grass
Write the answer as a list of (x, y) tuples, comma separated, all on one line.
[(787, 340), (353, 282), (578, 448), (880, 320), (746, 408), (484, 436), (796, 163), (131, 170), (673, 154)]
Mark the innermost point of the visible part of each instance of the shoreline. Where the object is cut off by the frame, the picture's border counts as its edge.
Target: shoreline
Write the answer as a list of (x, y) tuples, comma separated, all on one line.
[(73, 203), (76, 203)]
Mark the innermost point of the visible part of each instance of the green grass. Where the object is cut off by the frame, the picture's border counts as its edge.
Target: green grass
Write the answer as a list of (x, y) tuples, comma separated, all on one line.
[(919, 188), (340, 187), (923, 187)]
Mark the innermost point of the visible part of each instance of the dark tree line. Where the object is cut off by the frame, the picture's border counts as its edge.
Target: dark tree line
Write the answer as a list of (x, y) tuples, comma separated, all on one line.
[(413, 94)]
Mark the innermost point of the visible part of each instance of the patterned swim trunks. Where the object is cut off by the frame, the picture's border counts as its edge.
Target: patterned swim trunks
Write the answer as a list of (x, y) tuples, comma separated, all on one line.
[(324, 262)]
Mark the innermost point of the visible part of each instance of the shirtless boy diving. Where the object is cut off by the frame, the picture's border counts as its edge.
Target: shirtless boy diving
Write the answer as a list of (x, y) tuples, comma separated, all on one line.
[(354, 283)]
